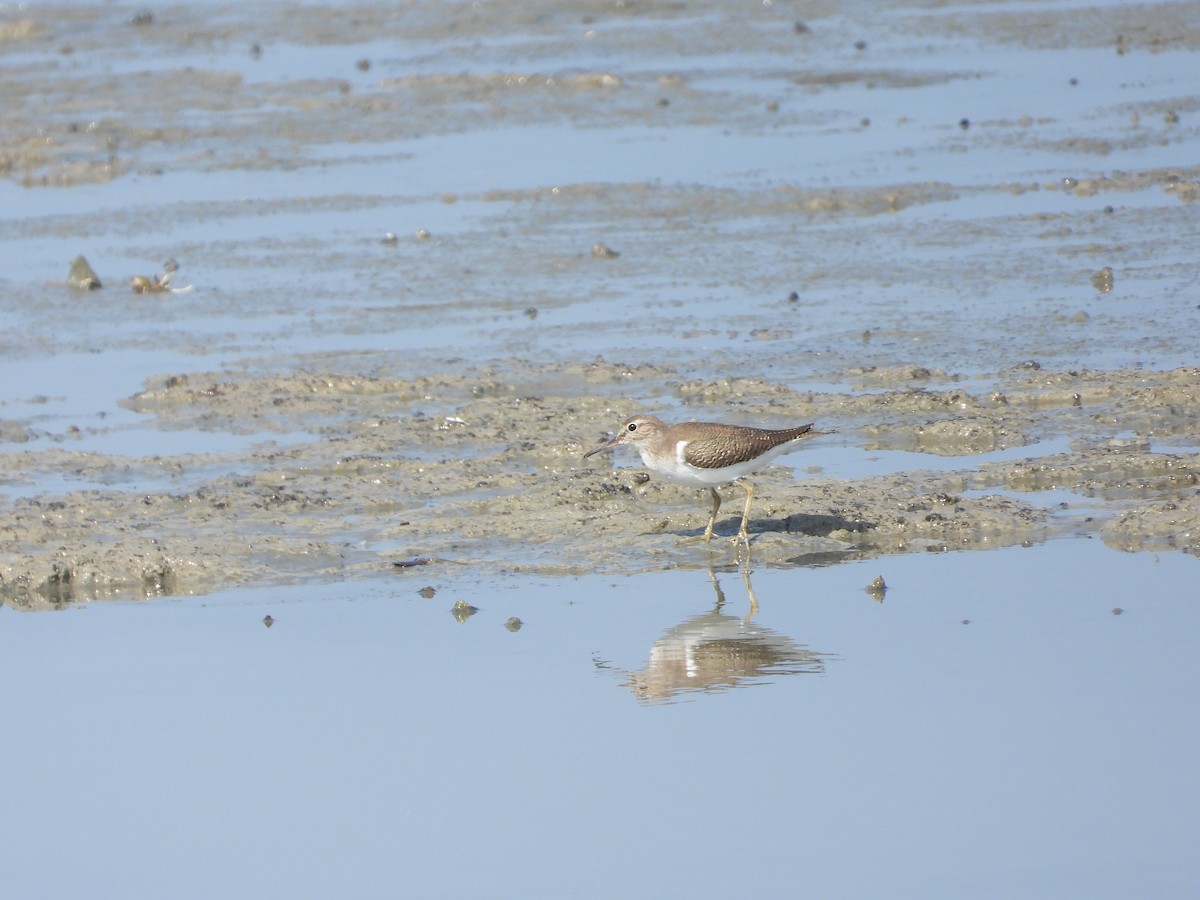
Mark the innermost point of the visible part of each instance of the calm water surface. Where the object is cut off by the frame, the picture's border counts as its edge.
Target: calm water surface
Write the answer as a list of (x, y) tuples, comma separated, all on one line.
[(992, 728)]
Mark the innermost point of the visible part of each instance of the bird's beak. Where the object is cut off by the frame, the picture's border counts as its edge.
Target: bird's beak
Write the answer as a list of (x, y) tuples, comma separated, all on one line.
[(607, 446)]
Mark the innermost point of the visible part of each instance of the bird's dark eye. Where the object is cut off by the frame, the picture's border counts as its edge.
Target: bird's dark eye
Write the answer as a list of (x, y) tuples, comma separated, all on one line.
[(633, 426)]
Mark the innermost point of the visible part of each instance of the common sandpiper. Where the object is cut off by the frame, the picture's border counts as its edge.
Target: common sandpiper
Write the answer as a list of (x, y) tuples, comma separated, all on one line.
[(706, 454)]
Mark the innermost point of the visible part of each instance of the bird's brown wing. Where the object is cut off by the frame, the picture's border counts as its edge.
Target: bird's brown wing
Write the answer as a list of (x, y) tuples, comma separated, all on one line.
[(714, 446)]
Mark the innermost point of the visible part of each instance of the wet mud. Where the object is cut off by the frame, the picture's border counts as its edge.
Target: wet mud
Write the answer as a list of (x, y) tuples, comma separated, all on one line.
[(476, 470), (918, 312)]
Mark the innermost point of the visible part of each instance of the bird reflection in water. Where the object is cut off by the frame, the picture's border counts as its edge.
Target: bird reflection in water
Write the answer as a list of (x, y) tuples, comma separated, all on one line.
[(716, 651)]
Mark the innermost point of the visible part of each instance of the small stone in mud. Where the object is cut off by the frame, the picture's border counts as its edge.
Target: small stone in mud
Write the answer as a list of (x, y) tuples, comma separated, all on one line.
[(409, 563), (427, 592), (462, 610), (513, 623), (601, 251), (268, 621), (877, 588), (81, 277), (1103, 280)]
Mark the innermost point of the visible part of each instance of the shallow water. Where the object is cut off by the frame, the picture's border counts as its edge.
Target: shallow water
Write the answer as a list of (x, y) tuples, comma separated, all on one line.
[(899, 241), (991, 728)]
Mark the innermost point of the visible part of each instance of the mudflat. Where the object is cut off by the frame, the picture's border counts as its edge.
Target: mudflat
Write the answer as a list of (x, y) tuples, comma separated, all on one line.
[(436, 253)]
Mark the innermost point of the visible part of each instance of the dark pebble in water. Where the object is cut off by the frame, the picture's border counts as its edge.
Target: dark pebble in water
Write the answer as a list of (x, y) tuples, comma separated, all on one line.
[(877, 588), (462, 610), (268, 621)]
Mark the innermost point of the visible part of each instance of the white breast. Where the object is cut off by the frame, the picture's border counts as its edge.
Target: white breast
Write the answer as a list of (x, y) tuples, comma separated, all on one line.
[(683, 473)]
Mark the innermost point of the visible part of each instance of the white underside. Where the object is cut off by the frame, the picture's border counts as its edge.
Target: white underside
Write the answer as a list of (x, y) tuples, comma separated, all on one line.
[(691, 475)]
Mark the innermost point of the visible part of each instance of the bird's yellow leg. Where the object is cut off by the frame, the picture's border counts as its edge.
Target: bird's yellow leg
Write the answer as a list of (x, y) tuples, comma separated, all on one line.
[(743, 535), (712, 520)]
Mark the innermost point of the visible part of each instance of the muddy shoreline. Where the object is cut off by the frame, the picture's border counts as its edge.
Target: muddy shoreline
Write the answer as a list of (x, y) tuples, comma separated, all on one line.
[(494, 481), (964, 239)]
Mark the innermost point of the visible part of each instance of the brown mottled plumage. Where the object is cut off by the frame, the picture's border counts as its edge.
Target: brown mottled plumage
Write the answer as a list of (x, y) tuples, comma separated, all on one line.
[(715, 446), (707, 454)]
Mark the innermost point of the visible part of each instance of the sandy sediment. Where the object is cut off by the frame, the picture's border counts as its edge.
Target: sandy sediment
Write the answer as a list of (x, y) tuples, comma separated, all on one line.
[(476, 470), (338, 466)]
